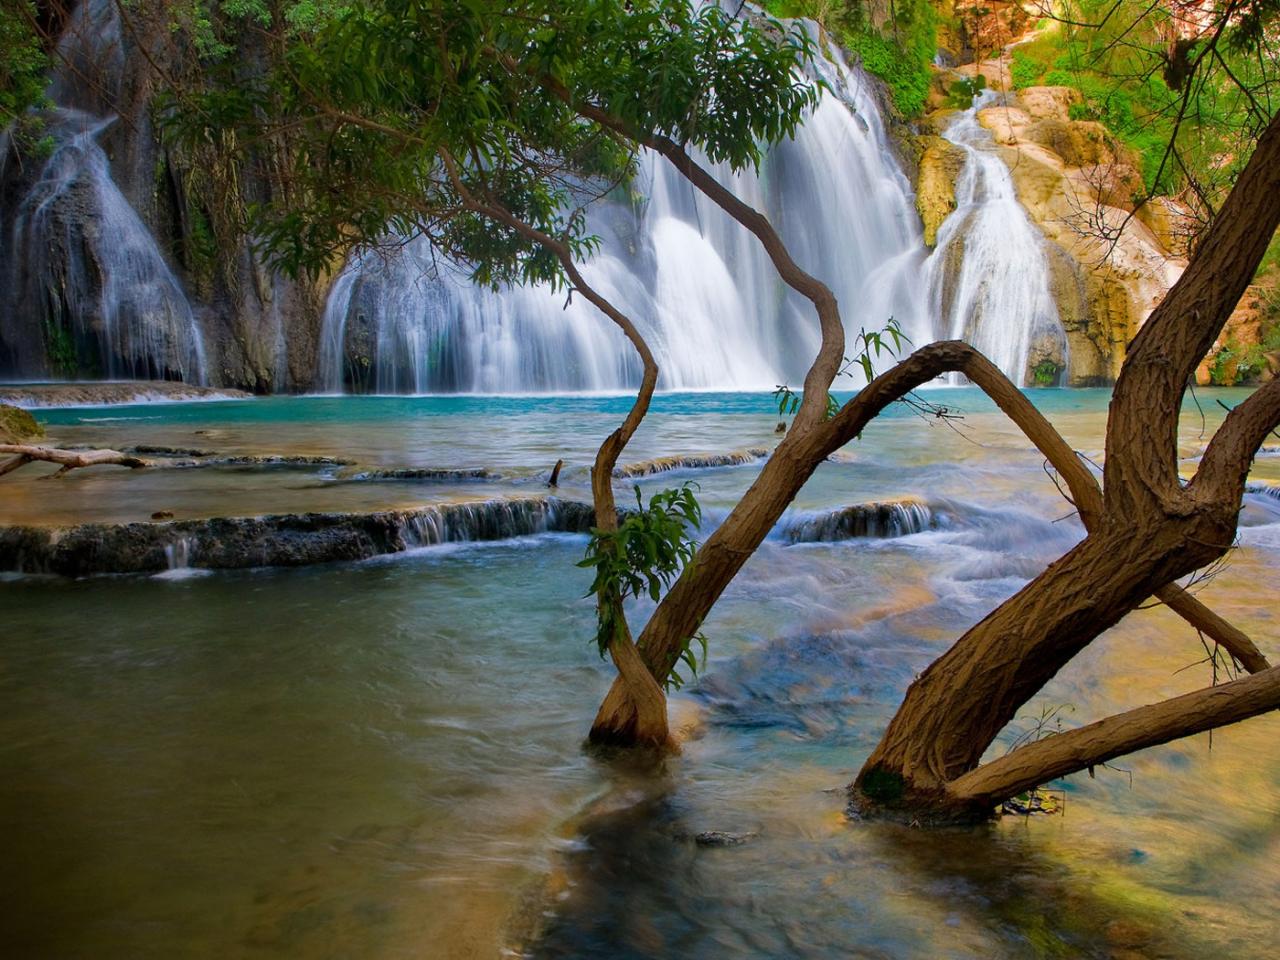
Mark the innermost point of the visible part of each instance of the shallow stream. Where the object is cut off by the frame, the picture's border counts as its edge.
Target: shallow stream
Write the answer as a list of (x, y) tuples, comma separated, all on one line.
[(383, 759)]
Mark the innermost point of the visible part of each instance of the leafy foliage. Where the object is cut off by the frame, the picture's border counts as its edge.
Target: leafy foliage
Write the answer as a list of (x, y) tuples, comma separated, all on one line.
[(869, 345), (649, 549), (899, 52), (399, 114), (1045, 373), (23, 62), (1138, 82)]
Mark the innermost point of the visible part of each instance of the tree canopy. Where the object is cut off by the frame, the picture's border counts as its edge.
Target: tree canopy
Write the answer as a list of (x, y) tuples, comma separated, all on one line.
[(398, 114)]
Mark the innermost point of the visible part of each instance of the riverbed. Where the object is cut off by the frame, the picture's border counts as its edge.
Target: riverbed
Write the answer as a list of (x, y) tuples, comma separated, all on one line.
[(383, 759)]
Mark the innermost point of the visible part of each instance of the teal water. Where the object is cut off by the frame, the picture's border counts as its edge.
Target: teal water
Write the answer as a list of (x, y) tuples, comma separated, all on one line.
[(383, 759)]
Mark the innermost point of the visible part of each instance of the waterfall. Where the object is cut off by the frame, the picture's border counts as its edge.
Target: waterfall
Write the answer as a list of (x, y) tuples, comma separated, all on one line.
[(83, 267), (988, 277), (881, 519), (93, 271), (697, 284), (90, 291)]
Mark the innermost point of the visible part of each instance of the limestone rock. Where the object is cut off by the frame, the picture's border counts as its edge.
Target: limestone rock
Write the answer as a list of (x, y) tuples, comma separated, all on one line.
[(1048, 103), (940, 165), (1077, 182), (1236, 356)]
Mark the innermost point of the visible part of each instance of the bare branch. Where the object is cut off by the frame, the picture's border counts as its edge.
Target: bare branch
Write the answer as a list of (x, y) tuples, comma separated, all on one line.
[(1094, 744), (68, 459)]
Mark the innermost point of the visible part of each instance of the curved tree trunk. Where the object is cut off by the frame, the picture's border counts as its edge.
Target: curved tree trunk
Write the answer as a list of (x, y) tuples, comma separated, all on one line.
[(639, 689)]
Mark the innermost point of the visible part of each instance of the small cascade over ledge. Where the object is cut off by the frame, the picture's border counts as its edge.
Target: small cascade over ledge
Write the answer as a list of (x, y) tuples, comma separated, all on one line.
[(988, 278), (84, 283)]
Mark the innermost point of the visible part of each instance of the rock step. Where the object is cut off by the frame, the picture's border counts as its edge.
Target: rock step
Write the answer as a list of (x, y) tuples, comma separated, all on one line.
[(878, 519), (690, 461), (287, 540)]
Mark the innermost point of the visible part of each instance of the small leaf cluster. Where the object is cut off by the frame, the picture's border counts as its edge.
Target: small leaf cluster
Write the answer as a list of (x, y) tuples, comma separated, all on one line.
[(872, 344), (642, 557)]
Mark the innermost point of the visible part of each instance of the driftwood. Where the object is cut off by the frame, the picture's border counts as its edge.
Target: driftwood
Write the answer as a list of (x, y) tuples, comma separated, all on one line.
[(68, 459)]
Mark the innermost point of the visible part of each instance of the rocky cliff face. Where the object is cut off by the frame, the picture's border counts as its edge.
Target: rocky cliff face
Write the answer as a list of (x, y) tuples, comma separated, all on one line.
[(256, 330), (1111, 262)]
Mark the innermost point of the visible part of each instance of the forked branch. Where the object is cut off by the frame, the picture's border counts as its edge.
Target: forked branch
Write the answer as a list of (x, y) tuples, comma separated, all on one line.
[(1083, 486)]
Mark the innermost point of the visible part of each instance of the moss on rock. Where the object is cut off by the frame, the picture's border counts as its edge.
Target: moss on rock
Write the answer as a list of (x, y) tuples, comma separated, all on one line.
[(940, 165), (18, 426)]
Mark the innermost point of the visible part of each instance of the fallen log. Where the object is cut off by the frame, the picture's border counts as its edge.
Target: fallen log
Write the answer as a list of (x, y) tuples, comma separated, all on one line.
[(68, 459)]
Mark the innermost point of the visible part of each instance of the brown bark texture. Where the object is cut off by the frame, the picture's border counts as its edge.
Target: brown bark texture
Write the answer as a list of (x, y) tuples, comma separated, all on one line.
[(1148, 530), (67, 459)]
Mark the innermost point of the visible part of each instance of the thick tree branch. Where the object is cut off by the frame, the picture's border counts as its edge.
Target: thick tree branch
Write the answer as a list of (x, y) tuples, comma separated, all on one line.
[(1230, 453), (642, 688), (68, 459), (1096, 743), (1141, 468), (1083, 486)]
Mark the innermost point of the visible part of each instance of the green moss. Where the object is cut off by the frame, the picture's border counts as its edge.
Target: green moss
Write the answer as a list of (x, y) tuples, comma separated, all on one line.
[(900, 53), (883, 786), (16, 425), (60, 349), (1045, 373)]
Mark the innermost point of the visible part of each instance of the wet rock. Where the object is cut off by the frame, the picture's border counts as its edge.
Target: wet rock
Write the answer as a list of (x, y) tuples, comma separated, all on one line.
[(103, 394), (18, 426), (150, 450), (426, 474), (722, 838), (690, 461), (940, 165), (279, 540), (888, 518), (162, 515)]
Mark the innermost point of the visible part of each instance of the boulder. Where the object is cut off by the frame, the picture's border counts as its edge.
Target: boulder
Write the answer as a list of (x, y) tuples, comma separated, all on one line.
[(1048, 103), (18, 426), (940, 165)]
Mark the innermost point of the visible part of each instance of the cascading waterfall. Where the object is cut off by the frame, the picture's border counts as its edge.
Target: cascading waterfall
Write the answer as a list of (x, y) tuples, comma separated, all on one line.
[(92, 292), (93, 270), (82, 263), (697, 284), (988, 277)]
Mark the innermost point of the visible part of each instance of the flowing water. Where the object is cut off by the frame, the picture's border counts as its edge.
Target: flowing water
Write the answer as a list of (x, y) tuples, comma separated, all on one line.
[(382, 759), (988, 275), (85, 268), (698, 285), (81, 268), (85, 261)]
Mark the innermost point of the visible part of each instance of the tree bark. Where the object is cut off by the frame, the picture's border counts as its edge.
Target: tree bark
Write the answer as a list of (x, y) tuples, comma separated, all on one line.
[(638, 686), (68, 459), (1096, 743)]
